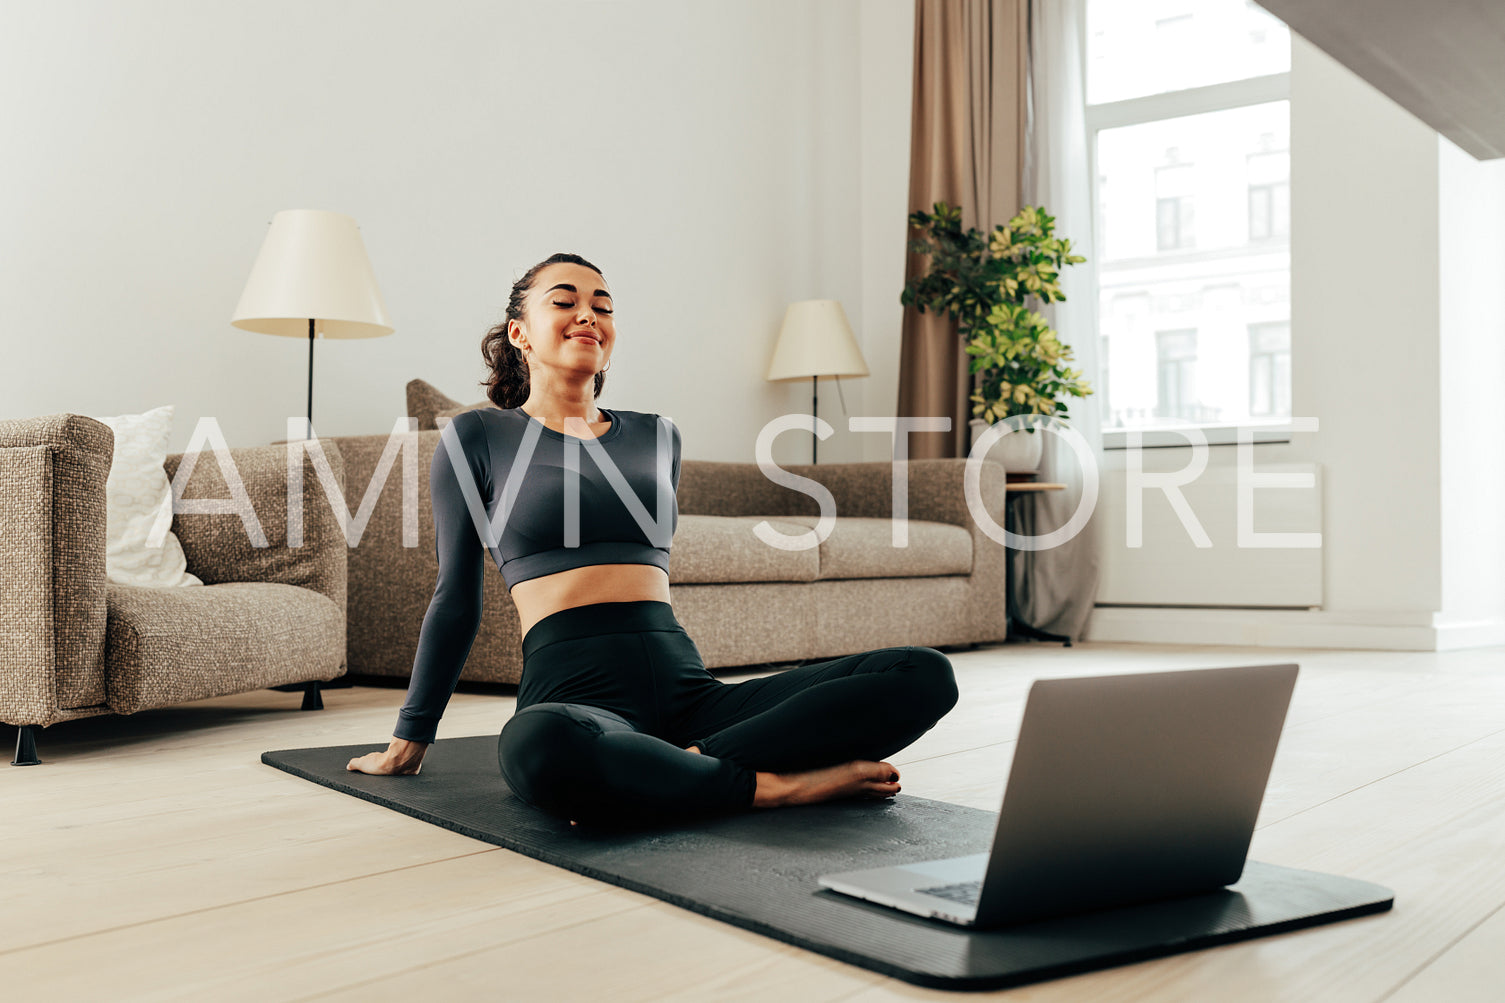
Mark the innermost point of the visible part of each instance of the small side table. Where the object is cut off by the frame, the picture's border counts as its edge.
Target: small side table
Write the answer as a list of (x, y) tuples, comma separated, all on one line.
[(1023, 488)]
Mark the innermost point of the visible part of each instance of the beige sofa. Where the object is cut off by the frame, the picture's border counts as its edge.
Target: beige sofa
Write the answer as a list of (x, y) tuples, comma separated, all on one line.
[(742, 601), (73, 644)]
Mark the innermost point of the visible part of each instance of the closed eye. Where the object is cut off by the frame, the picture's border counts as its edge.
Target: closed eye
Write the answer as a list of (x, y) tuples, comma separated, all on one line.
[(599, 309)]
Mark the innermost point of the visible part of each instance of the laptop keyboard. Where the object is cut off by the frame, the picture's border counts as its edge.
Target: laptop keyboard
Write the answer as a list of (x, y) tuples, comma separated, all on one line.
[(967, 892)]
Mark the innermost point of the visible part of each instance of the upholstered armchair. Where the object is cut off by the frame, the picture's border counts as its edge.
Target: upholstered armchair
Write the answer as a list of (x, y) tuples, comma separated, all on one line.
[(73, 644)]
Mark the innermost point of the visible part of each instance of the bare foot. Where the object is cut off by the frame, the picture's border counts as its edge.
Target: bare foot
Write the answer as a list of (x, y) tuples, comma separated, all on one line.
[(857, 779)]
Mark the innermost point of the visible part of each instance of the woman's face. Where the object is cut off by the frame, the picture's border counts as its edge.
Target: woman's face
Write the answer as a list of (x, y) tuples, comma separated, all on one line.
[(567, 321)]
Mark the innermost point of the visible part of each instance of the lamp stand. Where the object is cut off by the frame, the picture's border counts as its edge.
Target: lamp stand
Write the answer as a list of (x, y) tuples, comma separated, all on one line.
[(308, 429), (814, 410)]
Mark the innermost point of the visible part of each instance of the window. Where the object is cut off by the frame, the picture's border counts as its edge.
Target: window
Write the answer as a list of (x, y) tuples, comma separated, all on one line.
[(1176, 371), (1189, 115), (1270, 369), (1142, 47), (1269, 195), (1175, 212)]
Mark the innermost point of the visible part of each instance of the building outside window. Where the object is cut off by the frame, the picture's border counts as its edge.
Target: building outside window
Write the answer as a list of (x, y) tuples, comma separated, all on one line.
[(1189, 115), (1176, 372), (1270, 369), (1175, 207), (1269, 194)]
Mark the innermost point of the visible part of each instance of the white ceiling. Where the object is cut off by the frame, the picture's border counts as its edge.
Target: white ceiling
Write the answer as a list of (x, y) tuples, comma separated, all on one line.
[(1441, 60)]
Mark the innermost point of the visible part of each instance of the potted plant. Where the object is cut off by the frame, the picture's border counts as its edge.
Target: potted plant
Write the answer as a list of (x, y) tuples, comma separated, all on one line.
[(985, 282)]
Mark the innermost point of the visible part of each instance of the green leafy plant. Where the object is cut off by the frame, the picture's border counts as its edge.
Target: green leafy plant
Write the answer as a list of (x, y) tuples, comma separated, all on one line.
[(985, 283)]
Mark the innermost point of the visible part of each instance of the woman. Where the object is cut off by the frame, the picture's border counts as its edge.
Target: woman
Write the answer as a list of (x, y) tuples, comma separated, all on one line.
[(617, 718)]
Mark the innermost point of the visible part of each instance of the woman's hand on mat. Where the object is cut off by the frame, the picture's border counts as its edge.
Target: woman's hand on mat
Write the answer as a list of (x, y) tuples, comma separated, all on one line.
[(401, 758)]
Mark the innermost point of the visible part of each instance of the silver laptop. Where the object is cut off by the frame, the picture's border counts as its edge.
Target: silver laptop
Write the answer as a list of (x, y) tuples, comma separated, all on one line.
[(1123, 789)]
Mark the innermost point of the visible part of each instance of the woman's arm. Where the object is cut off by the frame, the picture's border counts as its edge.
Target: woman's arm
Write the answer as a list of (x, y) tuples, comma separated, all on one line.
[(454, 613)]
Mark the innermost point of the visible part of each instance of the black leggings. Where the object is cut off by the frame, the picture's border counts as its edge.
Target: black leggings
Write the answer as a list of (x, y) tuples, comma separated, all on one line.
[(612, 693)]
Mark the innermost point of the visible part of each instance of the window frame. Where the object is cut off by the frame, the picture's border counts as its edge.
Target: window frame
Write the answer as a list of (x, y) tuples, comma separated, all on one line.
[(1152, 108)]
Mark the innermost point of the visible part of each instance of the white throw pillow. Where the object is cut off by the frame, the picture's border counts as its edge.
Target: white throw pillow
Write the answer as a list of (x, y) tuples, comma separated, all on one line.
[(137, 495)]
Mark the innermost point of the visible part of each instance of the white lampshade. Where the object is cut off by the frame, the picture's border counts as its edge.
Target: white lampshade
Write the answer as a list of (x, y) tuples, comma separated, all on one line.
[(816, 340), (313, 266)]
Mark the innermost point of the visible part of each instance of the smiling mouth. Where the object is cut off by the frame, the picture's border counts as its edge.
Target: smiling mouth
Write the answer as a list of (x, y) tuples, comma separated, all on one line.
[(582, 337)]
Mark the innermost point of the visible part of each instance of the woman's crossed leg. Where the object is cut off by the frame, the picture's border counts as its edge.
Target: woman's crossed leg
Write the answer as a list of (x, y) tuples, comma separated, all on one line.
[(591, 764), (806, 734), (866, 706)]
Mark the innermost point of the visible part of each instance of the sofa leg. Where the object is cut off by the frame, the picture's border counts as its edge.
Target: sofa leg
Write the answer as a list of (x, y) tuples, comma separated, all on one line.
[(26, 747), (311, 698)]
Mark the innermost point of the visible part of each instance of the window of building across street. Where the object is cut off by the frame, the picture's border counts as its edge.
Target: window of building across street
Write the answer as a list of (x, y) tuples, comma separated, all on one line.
[(1188, 110)]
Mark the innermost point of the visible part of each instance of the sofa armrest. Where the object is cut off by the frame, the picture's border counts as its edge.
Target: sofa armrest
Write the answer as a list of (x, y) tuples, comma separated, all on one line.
[(937, 491), (219, 546), (52, 578)]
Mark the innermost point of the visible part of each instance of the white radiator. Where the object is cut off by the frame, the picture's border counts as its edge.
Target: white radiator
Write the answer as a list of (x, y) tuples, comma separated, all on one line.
[(1170, 569)]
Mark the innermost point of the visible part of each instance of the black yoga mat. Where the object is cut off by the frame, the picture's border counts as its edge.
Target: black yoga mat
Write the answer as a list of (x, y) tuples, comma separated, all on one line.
[(758, 870)]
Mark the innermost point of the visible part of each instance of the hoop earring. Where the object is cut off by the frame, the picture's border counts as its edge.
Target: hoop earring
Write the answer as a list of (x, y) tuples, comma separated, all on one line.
[(608, 366)]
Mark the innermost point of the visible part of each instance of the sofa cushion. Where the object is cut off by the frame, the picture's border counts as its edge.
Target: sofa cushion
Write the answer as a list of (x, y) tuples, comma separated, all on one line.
[(442, 418), (219, 546), (428, 405), (141, 548), (717, 548), (423, 400), (864, 548), (167, 646)]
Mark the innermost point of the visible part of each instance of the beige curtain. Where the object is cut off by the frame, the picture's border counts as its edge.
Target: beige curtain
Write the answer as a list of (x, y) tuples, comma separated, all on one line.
[(1057, 587), (967, 136)]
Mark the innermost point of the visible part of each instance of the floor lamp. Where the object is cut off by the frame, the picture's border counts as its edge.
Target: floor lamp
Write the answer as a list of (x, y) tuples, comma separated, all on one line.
[(312, 278), (814, 341)]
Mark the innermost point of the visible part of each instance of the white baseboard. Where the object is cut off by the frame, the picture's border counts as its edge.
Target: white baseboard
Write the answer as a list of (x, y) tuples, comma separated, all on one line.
[(1471, 634), (1388, 630)]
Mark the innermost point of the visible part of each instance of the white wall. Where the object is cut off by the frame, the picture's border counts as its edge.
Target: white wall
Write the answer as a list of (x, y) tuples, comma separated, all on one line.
[(1368, 353), (1471, 264), (716, 160), (1364, 330), (887, 89)]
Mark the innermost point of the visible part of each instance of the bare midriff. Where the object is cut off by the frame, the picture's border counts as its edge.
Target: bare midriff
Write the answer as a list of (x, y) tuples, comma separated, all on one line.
[(536, 598)]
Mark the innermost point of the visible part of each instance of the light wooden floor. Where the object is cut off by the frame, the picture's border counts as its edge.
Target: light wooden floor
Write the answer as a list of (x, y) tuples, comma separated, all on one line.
[(155, 857)]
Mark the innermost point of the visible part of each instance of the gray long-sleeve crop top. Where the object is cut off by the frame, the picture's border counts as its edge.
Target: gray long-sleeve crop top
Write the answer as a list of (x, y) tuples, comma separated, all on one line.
[(518, 495)]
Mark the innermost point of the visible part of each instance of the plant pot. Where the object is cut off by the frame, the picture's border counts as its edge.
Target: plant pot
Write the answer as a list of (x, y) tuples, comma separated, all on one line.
[(1018, 451)]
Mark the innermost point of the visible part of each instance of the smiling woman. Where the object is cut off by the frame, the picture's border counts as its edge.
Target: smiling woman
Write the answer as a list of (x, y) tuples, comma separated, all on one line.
[(537, 323), (617, 718)]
